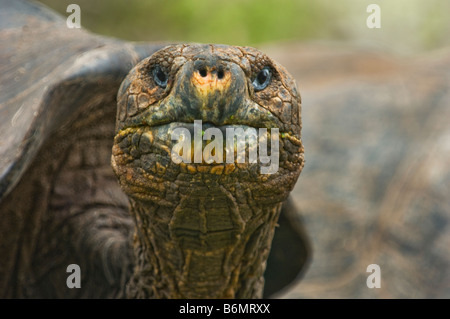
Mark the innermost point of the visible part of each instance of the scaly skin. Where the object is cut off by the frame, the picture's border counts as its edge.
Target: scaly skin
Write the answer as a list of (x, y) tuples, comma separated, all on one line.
[(203, 230)]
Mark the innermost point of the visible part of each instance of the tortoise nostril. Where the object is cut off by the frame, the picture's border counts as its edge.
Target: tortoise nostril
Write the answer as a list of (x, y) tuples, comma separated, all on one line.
[(203, 72), (220, 74)]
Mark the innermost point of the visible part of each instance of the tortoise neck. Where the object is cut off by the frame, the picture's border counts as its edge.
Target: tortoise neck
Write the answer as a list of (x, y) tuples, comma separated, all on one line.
[(202, 247)]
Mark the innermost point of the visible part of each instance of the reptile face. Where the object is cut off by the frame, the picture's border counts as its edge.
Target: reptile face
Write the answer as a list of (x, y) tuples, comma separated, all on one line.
[(199, 200), (221, 86)]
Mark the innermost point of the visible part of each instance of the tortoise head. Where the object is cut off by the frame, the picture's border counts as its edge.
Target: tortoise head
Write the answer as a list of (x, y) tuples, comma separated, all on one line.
[(207, 147)]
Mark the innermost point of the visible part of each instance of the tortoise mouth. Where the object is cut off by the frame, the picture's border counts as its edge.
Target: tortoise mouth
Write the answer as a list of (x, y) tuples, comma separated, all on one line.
[(200, 144), (166, 112)]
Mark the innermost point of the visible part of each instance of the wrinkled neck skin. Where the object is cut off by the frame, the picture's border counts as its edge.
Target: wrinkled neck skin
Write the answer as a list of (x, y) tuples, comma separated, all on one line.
[(212, 243), (201, 230)]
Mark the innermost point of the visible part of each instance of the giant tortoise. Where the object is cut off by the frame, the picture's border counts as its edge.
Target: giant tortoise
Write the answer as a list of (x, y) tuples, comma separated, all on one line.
[(87, 175), (89, 181)]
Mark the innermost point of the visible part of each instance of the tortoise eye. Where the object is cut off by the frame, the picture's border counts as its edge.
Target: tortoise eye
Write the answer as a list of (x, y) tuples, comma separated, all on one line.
[(160, 77), (262, 79)]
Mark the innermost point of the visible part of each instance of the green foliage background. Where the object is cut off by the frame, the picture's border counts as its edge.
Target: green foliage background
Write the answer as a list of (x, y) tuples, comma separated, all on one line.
[(408, 25)]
